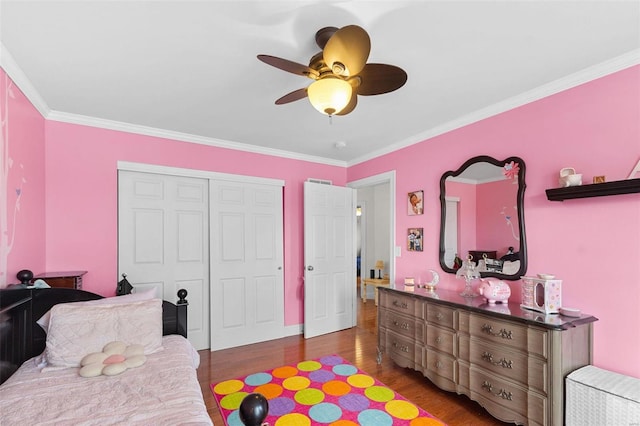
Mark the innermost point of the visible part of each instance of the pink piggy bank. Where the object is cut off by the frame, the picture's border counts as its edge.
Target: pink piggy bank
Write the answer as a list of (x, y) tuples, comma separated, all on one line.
[(494, 290)]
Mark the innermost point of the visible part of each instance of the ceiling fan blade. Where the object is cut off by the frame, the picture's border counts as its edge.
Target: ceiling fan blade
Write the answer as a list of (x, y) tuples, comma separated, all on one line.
[(323, 35), (289, 66), (347, 50), (377, 79), (296, 95), (350, 106)]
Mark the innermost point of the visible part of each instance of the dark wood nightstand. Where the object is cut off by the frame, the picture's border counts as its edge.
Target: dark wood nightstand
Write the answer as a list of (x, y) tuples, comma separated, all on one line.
[(479, 254), (68, 279)]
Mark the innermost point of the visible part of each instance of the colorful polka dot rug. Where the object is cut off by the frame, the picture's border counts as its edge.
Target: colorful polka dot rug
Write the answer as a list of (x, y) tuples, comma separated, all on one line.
[(324, 391)]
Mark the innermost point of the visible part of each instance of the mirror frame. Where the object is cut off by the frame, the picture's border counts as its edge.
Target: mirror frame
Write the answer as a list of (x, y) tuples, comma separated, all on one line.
[(520, 206)]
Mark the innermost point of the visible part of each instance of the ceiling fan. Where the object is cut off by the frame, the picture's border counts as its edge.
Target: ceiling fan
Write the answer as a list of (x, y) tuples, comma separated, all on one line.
[(340, 71)]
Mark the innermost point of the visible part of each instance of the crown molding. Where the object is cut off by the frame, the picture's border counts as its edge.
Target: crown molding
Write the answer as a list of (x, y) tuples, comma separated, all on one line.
[(184, 137), (84, 120), (594, 72), (611, 66), (16, 74)]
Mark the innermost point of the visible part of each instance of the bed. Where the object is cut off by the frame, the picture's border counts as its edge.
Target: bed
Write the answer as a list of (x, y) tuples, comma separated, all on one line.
[(40, 370)]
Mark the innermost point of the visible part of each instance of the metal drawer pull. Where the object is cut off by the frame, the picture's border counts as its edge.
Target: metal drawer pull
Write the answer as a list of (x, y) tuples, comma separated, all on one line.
[(486, 328), (502, 363), (439, 316), (402, 305), (403, 348), (404, 325), (501, 393), (438, 365), (438, 339)]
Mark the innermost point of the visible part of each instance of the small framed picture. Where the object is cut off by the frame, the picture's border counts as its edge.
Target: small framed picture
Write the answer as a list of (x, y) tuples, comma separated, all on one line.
[(414, 203), (414, 239)]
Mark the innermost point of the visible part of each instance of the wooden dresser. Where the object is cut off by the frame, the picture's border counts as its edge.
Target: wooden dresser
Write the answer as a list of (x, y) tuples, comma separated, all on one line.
[(510, 360), (68, 279)]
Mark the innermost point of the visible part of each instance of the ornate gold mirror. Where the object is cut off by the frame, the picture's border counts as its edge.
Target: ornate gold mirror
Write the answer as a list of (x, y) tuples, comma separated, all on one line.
[(482, 215)]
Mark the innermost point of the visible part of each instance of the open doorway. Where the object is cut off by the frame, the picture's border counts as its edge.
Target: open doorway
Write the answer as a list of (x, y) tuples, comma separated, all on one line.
[(375, 228)]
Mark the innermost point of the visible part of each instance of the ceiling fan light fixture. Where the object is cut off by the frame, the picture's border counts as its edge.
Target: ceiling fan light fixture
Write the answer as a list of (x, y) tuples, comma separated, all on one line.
[(330, 95), (340, 72)]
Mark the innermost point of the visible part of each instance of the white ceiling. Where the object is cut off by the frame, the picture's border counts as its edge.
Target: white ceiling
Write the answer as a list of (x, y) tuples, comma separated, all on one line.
[(188, 69)]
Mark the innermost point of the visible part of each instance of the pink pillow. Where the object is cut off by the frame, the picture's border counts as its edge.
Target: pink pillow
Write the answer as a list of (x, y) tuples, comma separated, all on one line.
[(76, 329), (128, 298)]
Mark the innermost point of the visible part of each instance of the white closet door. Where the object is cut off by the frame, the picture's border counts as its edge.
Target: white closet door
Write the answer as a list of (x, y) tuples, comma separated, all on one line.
[(163, 241), (247, 284)]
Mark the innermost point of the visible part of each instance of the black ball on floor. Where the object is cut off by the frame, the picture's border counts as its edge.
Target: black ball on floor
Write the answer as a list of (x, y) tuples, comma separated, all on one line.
[(253, 409)]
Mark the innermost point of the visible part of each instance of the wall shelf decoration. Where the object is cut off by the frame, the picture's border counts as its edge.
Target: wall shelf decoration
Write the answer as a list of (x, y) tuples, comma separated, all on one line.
[(629, 186)]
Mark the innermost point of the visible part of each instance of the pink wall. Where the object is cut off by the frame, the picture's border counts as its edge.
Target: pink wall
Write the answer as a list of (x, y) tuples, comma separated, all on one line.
[(495, 203), (592, 244), (21, 184), (82, 209)]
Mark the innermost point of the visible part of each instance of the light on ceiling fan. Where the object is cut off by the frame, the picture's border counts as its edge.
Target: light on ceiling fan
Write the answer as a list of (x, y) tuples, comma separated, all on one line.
[(330, 95)]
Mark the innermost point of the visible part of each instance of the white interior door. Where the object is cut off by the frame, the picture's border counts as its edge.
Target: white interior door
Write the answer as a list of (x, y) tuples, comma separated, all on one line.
[(163, 241), (330, 259), (247, 281)]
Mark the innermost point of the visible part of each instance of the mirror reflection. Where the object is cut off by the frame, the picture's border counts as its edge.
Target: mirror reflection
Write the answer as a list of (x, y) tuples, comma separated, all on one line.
[(482, 217)]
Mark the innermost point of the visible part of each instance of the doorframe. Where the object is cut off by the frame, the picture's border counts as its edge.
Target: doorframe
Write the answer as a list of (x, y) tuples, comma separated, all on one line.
[(363, 241), (390, 178)]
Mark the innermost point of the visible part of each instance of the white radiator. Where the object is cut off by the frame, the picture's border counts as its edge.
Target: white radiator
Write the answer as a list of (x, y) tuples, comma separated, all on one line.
[(601, 398)]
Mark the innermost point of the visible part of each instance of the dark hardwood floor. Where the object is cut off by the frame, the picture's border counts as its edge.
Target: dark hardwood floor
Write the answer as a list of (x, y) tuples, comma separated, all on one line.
[(357, 345)]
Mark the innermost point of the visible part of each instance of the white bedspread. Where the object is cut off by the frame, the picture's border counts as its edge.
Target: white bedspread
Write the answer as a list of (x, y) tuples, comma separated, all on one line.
[(163, 391)]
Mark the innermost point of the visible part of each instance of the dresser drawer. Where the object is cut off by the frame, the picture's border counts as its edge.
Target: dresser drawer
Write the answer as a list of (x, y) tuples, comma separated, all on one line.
[(400, 303), (404, 325), (440, 315), (516, 336), (401, 349), (530, 405), (442, 340), (514, 365), (442, 365)]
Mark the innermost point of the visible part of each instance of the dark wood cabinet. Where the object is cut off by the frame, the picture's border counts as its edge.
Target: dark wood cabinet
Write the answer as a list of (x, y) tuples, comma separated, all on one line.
[(68, 279), (479, 254)]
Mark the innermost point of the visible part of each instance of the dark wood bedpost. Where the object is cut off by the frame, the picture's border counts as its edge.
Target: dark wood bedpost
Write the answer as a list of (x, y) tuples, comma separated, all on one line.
[(181, 312)]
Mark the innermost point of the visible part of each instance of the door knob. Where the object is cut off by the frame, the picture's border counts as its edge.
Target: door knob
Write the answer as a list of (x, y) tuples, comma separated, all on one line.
[(309, 268)]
